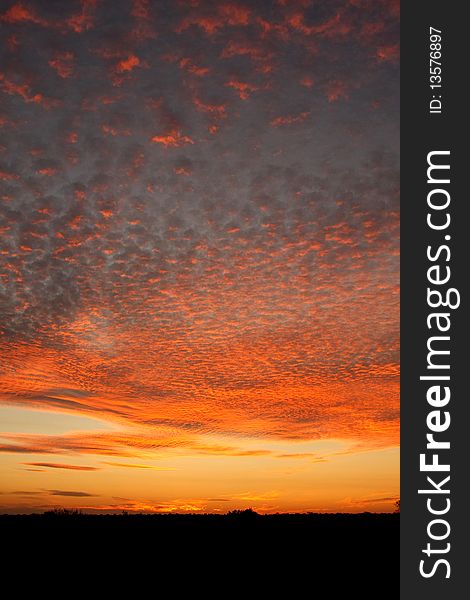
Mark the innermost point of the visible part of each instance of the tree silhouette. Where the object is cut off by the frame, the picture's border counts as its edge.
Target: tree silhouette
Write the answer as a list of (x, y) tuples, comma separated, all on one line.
[(63, 512), (247, 513)]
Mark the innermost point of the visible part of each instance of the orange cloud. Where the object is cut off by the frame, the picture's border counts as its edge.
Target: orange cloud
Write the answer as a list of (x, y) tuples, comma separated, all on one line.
[(335, 25), (18, 13), (127, 64), (47, 171), (188, 65), (172, 139), (143, 26), (290, 119), (23, 90), (63, 64), (8, 175), (83, 20), (226, 15), (243, 89)]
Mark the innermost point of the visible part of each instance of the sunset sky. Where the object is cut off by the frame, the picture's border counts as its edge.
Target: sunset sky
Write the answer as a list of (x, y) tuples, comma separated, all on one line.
[(199, 260)]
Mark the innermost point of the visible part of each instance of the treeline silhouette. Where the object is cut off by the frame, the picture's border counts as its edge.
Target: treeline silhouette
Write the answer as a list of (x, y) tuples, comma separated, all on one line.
[(230, 518), (302, 551), (325, 528)]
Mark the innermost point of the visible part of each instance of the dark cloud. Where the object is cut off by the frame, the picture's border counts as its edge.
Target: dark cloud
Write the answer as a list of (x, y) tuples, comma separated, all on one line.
[(69, 493)]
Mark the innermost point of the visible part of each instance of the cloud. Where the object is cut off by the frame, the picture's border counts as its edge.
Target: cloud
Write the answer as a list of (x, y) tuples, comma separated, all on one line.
[(218, 499), (70, 494), (48, 465), (136, 466), (374, 502), (63, 64), (386, 499), (290, 119)]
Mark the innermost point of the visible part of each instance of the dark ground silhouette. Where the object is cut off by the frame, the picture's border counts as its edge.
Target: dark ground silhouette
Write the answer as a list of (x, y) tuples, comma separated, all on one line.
[(354, 552), (325, 537)]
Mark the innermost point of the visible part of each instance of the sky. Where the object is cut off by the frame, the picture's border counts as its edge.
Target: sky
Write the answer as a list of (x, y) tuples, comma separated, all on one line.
[(199, 257)]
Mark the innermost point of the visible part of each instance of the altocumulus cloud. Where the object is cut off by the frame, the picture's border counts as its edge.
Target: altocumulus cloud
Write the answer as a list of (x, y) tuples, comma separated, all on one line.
[(199, 218)]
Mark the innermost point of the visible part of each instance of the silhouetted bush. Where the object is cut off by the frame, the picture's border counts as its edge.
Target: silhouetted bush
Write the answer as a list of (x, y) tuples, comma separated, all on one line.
[(63, 512), (248, 513)]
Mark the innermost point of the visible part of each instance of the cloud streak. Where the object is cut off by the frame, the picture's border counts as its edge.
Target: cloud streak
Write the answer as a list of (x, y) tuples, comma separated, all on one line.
[(48, 465), (69, 494)]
